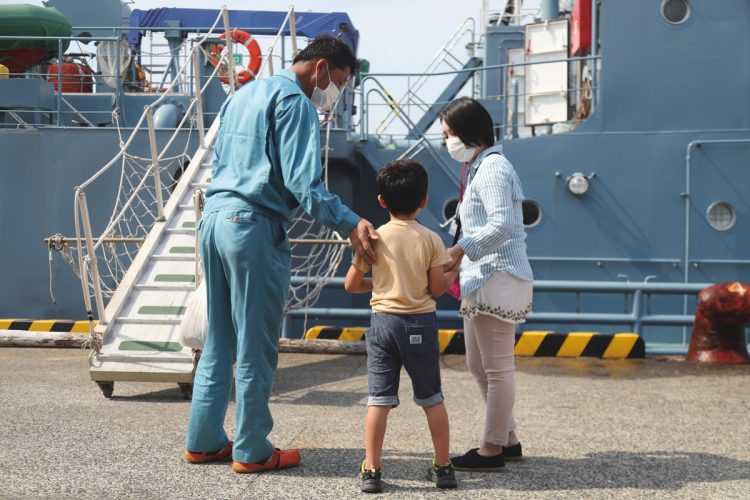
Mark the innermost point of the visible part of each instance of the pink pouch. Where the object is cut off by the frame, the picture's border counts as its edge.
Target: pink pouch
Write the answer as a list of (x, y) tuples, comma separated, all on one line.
[(455, 289)]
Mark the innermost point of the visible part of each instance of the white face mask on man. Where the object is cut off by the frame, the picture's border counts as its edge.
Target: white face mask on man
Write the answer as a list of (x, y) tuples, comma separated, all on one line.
[(325, 99), (458, 150)]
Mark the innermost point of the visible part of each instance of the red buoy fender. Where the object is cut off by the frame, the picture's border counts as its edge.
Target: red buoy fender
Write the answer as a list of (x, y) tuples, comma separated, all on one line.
[(253, 50), (719, 328)]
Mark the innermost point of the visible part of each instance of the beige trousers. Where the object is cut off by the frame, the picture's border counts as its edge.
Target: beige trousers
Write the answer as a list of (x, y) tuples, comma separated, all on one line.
[(489, 356)]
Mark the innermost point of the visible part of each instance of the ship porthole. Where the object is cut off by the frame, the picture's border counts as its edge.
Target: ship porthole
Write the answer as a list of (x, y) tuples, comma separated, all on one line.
[(532, 213), (721, 215), (449, 208), (675, 11)]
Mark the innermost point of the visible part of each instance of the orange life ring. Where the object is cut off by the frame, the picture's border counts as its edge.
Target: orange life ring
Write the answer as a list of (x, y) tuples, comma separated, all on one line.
[(253, 50)]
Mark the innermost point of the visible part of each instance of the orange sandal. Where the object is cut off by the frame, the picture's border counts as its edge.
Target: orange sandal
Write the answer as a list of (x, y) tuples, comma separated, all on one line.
[(194, 457), (280, 459)]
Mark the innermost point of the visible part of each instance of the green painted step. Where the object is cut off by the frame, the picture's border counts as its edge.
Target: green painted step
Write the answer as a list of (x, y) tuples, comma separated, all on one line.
[(189, 224), (182, 250), (177, 310), (137, 345), (175, 278)]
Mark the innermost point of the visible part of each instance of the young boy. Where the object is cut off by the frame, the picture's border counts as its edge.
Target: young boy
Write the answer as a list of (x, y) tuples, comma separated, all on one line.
[(409, 269)]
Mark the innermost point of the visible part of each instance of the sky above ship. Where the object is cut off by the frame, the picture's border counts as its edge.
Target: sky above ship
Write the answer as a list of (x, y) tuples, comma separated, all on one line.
[(395, 35)]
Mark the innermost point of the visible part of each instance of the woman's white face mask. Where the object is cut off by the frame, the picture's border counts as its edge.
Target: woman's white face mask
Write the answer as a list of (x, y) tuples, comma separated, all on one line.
[(325, 99), (458, 150)]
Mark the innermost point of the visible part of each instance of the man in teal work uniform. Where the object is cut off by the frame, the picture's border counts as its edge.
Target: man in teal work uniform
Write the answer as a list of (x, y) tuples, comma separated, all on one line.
[(266, 164)]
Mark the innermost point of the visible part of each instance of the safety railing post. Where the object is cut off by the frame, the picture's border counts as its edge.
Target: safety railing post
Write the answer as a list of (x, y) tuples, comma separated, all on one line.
[(59, 80), (594, 53), (90, 258), (155, 169), (637, 311), (363, 111), (117, 75), (514, 116), (293, 31), (83, 272), (229, 42), (505, 104), (270, 61), (198, 97)]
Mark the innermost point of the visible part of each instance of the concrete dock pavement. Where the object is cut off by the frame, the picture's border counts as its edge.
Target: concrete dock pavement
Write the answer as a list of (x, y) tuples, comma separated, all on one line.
[(590, 429)]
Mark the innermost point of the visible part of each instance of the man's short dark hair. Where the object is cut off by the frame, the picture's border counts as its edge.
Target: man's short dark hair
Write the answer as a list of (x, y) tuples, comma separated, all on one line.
[(331, 49), (469, 121), (403, 186)]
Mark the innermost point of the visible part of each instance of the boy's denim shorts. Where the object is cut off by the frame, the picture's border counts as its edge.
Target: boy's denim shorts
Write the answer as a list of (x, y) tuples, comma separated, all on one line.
[(408, 340)]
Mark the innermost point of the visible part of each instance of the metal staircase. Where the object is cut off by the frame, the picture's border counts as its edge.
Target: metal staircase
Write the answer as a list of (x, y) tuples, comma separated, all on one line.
[(141, 339), (447, 95)]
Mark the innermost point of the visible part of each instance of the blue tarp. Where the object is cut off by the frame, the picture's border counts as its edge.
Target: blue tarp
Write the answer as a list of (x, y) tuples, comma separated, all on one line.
[(308, 24)]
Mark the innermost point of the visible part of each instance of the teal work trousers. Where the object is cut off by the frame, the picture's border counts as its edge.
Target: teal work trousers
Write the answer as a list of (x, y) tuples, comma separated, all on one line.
[(246, 259)]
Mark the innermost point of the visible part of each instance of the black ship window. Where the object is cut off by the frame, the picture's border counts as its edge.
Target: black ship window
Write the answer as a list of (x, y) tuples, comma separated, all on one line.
[(675, 11), (532, 213), (449, 209), (721, 215)]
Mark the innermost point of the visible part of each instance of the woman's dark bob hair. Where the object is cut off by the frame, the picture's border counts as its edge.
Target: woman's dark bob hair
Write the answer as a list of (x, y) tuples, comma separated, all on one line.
[(469, 121)]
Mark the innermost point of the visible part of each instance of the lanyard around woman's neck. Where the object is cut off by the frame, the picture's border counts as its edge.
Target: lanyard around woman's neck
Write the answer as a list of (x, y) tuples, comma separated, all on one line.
[(464, 180)]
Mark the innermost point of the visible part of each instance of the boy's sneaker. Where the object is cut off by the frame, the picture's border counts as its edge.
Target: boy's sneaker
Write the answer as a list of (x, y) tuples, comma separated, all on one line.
[(443, 476), (370, 480)]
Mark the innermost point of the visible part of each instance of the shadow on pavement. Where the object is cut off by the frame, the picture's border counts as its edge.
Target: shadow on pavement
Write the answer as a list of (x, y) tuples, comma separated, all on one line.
[(171, 395), (293, 383), (615, 469), (628, 369), (668, 471)]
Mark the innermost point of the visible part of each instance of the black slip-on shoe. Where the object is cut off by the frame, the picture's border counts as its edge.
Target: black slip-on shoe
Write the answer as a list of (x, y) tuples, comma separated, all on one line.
[(370, 480), (512, 453), (443, 476), (473, 461)]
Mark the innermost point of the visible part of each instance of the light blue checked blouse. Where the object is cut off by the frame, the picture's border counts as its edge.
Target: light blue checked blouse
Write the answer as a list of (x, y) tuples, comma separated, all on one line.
[(492, 222)]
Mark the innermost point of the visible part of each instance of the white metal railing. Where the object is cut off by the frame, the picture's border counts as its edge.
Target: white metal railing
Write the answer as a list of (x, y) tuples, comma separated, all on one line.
[(144, 204), (411, 97), (505, 99)]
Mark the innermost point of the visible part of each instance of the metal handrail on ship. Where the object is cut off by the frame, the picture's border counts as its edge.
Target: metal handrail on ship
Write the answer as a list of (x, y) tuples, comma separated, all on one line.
[(60, 54), (442, 54), (86, 242), (636, 318), (422, 142), (393, 104)]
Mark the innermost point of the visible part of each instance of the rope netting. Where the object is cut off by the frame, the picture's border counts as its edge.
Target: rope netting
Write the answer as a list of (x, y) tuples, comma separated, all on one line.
[(139, 201), (134, 212), (313, 264)]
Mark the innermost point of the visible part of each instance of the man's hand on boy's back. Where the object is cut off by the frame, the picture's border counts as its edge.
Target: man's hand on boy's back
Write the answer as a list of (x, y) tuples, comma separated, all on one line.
[(363, 238)]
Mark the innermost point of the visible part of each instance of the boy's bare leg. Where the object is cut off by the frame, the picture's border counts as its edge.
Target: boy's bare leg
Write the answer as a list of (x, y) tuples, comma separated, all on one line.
[(437, 419), (375, 424)]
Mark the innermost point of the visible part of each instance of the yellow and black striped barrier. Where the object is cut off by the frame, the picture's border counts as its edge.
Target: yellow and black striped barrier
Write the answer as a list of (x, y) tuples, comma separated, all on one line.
[(531, 343), (580, 344), (46, 325)]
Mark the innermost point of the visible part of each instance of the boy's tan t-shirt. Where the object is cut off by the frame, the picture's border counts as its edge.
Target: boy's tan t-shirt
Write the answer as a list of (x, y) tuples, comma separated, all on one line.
[(405, 252)]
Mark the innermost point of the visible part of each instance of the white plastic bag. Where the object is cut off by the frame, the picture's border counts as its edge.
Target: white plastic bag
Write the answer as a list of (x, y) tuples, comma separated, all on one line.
[(194, 324)]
